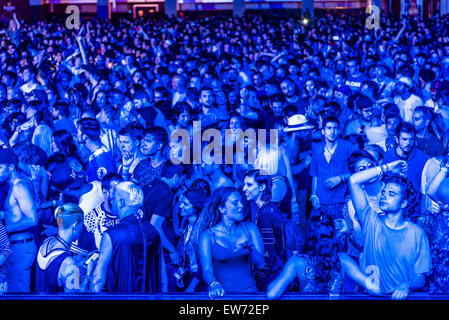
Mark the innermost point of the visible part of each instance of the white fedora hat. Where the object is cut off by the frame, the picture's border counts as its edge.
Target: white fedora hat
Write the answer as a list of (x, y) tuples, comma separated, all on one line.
[(297, 122)]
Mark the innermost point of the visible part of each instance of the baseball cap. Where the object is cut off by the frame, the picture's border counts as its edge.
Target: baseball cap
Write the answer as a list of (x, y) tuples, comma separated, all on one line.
[(364, 102), (63, 177)]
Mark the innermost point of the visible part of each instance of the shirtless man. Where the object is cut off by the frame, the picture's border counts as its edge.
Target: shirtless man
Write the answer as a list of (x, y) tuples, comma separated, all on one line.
[(20, 216)]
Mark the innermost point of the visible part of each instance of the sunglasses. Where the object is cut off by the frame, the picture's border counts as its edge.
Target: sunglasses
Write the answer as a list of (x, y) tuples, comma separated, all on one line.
[(368, 166)]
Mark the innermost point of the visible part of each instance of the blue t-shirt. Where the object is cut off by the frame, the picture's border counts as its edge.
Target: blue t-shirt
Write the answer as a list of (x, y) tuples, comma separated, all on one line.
[(100, 163), (324, 170), (397, 255)]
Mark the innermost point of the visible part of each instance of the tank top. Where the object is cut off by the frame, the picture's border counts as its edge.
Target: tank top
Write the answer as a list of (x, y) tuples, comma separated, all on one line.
[(233, 269), (48, 270)]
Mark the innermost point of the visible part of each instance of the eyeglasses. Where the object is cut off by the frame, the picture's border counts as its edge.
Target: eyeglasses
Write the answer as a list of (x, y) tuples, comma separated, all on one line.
[(368, 166)]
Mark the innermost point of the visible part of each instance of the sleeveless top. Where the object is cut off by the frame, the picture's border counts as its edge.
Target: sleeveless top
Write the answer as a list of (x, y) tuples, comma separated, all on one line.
[(126, 270), (233, 269), (285, 205), (48, 269)]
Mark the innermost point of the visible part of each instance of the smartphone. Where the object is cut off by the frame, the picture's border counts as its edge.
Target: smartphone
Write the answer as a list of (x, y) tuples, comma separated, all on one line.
[(93, 257), (335, 38)]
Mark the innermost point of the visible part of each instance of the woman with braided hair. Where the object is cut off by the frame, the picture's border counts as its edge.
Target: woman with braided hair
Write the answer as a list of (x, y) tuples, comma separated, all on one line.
[(56, 269)]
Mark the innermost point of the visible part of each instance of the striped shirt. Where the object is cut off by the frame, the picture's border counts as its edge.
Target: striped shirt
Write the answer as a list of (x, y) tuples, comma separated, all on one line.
[(5, 249)]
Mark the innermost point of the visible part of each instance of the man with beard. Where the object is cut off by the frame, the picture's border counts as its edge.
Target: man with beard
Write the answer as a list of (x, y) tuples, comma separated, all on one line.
[(396, 250), (277, 105), (257, 81), (364, 119), (405, 99), (406, 151), (426, 141), (208, 115), (289, 90)]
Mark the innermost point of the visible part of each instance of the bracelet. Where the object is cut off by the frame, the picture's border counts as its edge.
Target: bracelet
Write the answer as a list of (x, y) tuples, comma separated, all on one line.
[(379, 171), (213, 284), (444, 169), (313, 196)]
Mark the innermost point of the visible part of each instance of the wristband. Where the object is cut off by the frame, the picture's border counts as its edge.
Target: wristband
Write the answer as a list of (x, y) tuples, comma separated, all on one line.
[(379, 171), (213, 284)]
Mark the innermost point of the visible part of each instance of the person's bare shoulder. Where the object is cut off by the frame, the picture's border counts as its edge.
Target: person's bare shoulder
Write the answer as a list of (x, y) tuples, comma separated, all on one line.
[(21, 186)]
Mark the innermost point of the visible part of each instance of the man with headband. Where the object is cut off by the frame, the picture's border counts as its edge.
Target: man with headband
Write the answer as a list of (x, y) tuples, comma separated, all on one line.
[(20, 217)]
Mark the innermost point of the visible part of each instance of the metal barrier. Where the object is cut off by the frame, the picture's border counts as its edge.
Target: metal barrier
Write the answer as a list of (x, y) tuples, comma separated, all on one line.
[(204, 296)]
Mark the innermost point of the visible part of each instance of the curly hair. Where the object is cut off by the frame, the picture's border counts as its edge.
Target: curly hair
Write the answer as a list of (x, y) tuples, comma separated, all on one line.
[(409, 192), (323, 246)]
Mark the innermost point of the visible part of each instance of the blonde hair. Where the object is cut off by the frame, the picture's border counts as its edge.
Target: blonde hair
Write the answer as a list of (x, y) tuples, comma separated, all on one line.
[(269, 160), (68, 214), (135, 193)]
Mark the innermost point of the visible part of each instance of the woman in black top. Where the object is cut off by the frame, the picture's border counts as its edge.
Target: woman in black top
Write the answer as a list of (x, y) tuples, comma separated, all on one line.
[(269, 219)]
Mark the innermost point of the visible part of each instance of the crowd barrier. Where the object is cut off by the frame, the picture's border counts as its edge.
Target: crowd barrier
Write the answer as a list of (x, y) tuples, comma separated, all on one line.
[(204, 296)]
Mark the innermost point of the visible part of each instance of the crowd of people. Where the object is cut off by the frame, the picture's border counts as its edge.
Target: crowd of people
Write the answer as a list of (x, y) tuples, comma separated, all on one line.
[(99, 193)]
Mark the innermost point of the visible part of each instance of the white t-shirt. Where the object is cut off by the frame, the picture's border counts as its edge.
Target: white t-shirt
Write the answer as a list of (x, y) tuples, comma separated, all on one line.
[(430, 170), (92, 199), (407, 107)]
